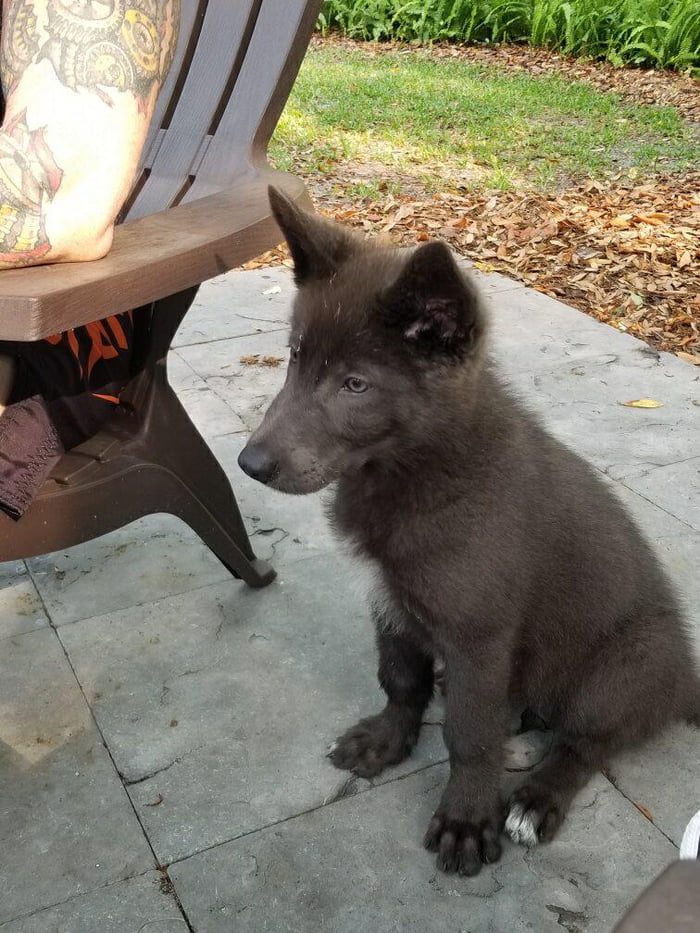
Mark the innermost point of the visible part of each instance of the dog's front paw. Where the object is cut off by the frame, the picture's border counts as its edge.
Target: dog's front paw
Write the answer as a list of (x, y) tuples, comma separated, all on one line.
[(374, 744), (463, 841), (535, 813)]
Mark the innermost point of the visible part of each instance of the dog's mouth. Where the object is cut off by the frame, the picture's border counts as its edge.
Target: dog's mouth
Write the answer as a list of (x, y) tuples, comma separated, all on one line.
[(257, 461), (301, 485)]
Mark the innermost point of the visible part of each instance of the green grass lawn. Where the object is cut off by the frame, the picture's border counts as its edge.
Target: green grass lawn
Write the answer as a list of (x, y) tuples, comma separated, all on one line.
[(442, 122)]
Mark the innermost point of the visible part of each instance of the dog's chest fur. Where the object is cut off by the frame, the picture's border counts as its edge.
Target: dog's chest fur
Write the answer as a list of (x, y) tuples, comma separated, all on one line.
[(385, 531)]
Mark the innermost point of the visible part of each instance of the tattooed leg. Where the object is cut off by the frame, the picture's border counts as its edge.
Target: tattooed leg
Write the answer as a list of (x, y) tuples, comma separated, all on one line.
[(97, 45), (28, 177), (80, 79)]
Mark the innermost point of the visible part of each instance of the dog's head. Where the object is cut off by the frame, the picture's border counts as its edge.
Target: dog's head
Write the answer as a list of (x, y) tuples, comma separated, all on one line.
[(377, 336)]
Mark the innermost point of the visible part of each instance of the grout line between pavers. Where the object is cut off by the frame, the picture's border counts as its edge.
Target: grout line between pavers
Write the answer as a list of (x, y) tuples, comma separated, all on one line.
[(621, 482), (294, 816), (78, 896), (613, 783), (656, 504), (202, 378), (228, 578), (344, 796), (201, 343)]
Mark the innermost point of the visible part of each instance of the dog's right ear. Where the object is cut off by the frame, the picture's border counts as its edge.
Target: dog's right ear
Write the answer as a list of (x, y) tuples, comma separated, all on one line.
[(433, 304), (318, 246)]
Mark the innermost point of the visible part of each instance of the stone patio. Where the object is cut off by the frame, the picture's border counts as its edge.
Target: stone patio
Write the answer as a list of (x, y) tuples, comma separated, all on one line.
[(185, 726)]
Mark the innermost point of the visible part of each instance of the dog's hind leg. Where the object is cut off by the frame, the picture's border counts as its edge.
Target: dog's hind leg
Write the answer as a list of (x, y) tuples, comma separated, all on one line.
[(537, 809), (641, 679), (406, 675)]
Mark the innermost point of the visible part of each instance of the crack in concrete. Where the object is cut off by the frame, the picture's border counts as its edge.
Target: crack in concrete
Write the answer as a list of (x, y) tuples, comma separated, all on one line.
[(222, 621), (151, 774), (593, 802), (262, 320), (264, 532)]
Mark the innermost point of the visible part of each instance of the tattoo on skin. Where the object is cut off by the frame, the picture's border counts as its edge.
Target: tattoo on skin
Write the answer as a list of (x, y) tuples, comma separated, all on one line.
[(121, 45), (29, 176)]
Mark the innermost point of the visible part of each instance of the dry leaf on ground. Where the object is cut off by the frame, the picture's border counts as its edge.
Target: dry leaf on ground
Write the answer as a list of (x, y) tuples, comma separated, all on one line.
[(642, 403)]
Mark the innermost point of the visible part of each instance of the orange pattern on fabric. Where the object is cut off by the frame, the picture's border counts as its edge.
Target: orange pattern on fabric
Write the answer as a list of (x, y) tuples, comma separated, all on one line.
[(107, 338)]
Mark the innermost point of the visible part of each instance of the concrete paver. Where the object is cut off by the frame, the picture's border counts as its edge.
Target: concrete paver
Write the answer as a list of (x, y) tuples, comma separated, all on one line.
[(21, 609), (223, 703), (138, 904), (66, 824), (359, 865)]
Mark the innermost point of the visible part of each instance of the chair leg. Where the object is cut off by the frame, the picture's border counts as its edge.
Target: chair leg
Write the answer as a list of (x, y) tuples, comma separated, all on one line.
[(206, 501), (214, 515)]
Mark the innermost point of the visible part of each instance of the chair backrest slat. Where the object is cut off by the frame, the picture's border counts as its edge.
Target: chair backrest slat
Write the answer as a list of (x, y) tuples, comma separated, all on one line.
[(191, 20), (273, 56), (225, 25), (234, 66)]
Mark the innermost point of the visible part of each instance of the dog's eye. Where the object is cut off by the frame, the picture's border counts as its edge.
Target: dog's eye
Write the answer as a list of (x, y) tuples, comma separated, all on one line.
[(293, 354), (355, 384)]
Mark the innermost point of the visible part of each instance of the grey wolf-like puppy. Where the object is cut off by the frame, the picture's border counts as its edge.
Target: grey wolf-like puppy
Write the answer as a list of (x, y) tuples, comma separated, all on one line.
[(497, 549)]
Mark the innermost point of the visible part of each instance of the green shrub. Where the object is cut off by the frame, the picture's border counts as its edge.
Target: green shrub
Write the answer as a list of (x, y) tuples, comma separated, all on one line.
[(658, 33)]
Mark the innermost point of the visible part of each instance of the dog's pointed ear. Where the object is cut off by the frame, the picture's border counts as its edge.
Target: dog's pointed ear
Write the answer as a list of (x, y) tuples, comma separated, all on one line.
[(318, 246), (433, 303)]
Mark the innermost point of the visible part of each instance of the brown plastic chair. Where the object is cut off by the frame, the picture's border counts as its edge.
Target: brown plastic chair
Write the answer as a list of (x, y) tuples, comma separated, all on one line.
[(670, 905), (198, 208)]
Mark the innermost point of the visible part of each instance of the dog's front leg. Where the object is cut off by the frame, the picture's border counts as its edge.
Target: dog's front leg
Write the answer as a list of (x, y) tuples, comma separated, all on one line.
[(466, 826), (406, 675)]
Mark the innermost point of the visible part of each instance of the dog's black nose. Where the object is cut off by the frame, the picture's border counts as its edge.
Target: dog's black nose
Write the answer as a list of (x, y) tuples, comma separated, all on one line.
[(256, 461)]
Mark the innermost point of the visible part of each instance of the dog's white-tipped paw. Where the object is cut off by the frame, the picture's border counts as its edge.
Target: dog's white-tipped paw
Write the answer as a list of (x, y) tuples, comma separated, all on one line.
[(521, 827), (331, 748)]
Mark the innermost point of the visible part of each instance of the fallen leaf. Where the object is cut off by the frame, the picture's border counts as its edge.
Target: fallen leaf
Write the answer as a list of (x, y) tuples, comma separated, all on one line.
[(250, 360), (693, 358), (271, 360), (642, 403), (157, 802), (643, 810)]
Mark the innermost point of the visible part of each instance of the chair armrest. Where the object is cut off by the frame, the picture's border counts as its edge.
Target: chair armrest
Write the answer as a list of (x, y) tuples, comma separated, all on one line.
[(151, 258)]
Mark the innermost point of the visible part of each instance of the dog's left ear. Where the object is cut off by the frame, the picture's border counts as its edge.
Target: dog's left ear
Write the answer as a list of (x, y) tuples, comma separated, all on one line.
[(433, 303), (318, 246)]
